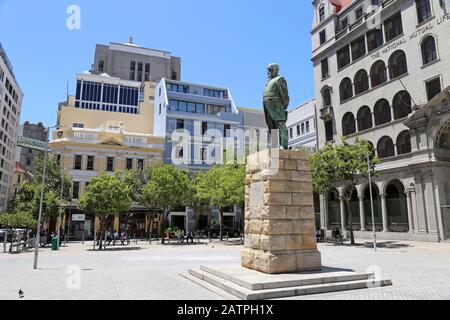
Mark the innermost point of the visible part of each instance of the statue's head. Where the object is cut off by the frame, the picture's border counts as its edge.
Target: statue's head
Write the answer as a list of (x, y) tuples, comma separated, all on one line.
[(272, 70)]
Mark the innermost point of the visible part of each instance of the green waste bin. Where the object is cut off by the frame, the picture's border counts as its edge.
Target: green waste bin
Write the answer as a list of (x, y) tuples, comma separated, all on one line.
[(54, 243)]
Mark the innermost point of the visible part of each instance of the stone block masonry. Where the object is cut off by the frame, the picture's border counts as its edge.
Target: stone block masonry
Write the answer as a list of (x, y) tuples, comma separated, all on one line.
[(279, 214)]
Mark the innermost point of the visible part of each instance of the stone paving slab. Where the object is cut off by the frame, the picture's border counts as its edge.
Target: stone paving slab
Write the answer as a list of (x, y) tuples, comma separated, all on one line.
[(418, 271)]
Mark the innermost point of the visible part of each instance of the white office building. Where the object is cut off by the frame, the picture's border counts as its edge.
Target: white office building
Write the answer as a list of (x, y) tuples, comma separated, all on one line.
[(301, 126)]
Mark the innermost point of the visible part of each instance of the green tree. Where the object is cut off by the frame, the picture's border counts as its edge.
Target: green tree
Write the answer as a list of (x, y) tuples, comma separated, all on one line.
[(224, 186), (28, 197), (18, 220), (105, 196), (194, 198), (342, 164), (166, 188)]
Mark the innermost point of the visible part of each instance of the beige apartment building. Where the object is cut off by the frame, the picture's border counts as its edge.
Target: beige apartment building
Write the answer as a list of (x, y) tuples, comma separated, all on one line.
[(381, 71), (106, 127)]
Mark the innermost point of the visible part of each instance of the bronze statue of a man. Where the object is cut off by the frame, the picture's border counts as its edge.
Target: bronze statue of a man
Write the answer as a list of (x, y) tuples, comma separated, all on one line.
[(276, 103)]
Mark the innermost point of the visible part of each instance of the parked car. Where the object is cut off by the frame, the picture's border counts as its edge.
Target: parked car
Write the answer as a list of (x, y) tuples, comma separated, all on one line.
[(226, 231)]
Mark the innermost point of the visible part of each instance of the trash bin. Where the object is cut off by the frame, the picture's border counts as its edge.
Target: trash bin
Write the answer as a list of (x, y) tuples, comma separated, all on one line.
[(54, 243)]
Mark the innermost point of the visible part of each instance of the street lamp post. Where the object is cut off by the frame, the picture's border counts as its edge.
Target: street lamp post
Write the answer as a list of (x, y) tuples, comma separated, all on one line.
[(371, 204), (38, 232), (41, 201)]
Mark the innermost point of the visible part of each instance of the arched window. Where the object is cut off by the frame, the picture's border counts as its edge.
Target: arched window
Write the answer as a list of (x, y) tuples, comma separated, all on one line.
[(372, 148), (326, 97), (361, 82), (404, 143), (364, 118), (386, 148), (348, 124), (346, 89), (429, 53), (397, 64), (378, 73), (382, 112), (402, 105)]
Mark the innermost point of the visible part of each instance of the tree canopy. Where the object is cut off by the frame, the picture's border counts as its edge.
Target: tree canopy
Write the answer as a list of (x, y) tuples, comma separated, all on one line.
[(342, 164)]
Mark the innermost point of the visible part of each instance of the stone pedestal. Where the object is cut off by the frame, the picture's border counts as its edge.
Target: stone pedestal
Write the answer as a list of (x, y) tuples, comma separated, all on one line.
[(279, 214)]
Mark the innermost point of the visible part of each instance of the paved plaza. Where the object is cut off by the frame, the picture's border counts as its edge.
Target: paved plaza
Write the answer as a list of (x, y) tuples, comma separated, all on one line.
[(152, 272)]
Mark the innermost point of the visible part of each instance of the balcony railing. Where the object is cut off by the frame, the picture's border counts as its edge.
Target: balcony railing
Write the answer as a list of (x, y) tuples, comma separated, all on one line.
[(342, 31)]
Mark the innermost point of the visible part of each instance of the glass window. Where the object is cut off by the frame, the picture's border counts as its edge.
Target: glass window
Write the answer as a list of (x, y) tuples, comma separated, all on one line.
[(180, 124), (129, 164), (374, 39), (298, 130), (191, 107), (358, 48), (321, 13), (323, 37), (77, 164), (132, 70), (140, 164), (173, 105), (147, 72), (393, 27), (423, 10), (90, 163), (433, 88), (307, 127), (429, 53), (182, 106), (75, 190), (325, 69), (329, 135), (101, 66), (397, 64), (110, 164), (291, 133), (358, 13), (343, 57)]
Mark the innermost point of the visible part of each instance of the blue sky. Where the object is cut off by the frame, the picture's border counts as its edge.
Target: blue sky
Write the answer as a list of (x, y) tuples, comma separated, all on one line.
[(221, 42)]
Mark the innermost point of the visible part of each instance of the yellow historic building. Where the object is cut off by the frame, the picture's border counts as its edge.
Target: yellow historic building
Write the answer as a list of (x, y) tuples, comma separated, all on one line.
[(106, 127)]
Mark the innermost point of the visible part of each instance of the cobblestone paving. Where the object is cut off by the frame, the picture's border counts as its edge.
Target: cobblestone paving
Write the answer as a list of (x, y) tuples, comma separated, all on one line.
[(418, 271)]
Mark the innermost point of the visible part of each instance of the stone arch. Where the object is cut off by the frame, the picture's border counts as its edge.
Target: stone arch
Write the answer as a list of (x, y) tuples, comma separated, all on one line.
[(396, 206), (429, 49), (385, 147), (402, 105), (364, 118), (378, 73), (404, 143), (376, 206), (348, 124), (346, 89), (356, 219), (398, 65), (334, 208), (382, 112), (361, 81), (326, 96)]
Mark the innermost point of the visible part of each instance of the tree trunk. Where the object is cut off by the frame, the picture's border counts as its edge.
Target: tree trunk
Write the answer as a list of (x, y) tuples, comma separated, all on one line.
[(102, 232), (350, 221), (152, 218), (221, 224)]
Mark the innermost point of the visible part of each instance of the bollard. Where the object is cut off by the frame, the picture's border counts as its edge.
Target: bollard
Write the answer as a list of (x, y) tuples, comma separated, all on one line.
[(82, 239), (135, 239)]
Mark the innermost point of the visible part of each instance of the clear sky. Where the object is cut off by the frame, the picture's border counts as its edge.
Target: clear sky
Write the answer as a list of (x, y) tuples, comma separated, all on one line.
[(221, 42)]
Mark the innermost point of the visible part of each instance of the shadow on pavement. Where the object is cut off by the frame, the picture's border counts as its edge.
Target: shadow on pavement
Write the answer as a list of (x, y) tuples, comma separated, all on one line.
[(116, 249), (384, 245)]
